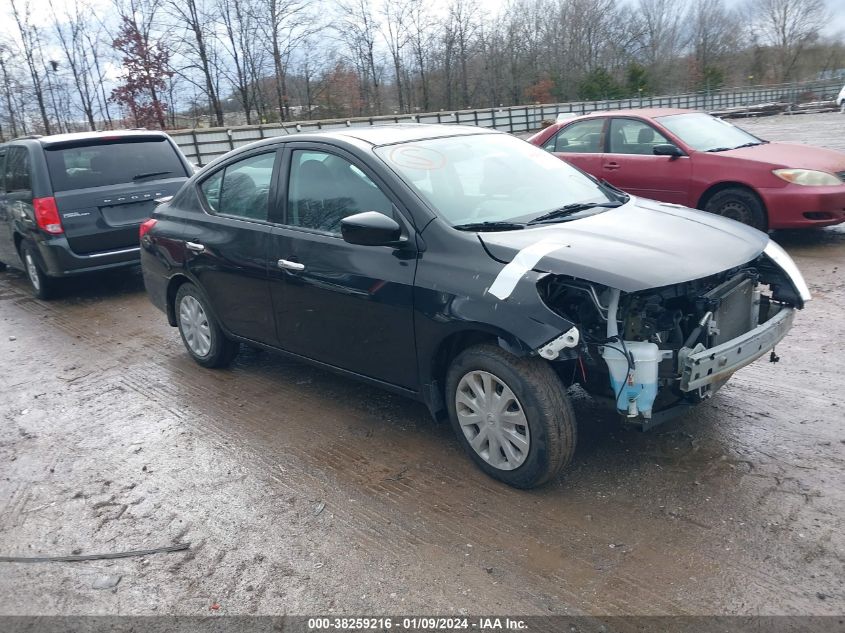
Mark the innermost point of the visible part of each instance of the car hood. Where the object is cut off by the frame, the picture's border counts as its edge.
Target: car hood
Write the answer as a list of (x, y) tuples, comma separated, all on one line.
[(642, 244), (791, 155)]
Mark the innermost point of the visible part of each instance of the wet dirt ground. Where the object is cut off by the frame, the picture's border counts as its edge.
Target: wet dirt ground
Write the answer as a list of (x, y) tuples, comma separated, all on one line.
[(303, 492)]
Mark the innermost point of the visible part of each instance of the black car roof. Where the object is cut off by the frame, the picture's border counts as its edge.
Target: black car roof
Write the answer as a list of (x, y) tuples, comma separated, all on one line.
[(373, 136), (404, 132)]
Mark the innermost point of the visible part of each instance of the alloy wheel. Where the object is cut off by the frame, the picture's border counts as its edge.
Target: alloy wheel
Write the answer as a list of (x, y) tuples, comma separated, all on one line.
[(32, 271)]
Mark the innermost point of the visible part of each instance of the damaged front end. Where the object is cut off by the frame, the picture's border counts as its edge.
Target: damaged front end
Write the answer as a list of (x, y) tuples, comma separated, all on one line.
[(656, 352)]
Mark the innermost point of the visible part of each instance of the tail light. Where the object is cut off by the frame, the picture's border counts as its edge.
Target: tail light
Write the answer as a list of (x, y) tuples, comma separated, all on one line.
[(146, 226), (47, 215)]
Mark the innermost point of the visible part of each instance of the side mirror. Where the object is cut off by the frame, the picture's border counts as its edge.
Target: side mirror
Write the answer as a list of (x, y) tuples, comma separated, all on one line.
[(667, 149), (371, 228)]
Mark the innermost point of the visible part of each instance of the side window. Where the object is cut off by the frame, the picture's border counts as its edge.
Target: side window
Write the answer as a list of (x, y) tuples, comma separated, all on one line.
[(628, 136), (3, 153), (583, 137), (325, 188), (16, 175), (241, 189)]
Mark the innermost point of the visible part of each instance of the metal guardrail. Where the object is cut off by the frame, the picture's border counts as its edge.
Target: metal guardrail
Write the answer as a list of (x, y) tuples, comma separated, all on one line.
[(202, 145)]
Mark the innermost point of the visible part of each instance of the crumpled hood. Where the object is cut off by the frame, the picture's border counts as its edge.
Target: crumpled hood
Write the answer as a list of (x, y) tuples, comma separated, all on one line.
[(792, 155), (642, 244)]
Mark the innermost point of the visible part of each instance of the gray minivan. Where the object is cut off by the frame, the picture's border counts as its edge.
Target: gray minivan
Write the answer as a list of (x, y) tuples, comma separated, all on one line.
[(72, 203)]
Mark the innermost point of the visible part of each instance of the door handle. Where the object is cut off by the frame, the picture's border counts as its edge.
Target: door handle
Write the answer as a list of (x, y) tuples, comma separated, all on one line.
[(612, 165), (288, 265), (193, 246)]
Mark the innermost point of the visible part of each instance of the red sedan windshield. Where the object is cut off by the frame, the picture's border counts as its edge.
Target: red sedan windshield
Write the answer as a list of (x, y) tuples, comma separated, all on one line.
[(705, 133)]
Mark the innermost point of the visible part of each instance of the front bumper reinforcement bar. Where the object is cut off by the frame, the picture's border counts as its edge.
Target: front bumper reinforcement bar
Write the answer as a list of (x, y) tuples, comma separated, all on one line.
[(707, 366)]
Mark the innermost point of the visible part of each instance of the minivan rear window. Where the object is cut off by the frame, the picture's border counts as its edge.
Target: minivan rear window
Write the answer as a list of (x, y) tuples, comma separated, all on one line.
[(102, 163)]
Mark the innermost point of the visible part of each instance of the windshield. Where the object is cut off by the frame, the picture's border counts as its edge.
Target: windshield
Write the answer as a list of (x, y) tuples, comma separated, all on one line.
[(97, 163), (490, 178), (706, 133)]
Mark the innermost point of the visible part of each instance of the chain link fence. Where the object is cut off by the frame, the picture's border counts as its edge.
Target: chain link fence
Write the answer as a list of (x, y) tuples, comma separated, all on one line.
[(201, 146)]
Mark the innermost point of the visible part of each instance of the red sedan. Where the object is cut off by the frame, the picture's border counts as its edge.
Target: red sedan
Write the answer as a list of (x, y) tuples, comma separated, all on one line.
[(696, 160)]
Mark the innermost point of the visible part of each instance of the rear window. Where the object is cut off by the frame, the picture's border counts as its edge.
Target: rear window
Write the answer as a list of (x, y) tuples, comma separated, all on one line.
[(100, 164)]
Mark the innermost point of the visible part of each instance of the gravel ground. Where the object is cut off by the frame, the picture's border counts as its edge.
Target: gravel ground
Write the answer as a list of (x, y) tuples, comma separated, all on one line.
[(303, 492)]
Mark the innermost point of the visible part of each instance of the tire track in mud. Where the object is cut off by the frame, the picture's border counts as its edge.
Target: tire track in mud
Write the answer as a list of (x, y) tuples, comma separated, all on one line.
[(338, 460), (421, 493)]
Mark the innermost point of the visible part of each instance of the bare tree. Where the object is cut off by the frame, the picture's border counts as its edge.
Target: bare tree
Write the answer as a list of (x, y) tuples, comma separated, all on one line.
[(662, 38), (464, 25), (237, 18), (788, 26), (358, 30), (197, 19), (394, 29), (422, 34), (70, 29), (285, 24), (30, 40), (12, 111)]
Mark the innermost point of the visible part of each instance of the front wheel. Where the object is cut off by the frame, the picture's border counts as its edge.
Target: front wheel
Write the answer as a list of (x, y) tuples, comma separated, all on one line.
[(202, 335), (511, 415), (738, 204)]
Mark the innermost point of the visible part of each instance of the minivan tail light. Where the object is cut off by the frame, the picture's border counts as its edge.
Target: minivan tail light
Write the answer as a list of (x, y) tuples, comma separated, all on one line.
[(47, 215), (146, 226)]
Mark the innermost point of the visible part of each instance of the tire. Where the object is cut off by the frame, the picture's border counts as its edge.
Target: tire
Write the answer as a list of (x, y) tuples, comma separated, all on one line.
[(200, 331), (43, 287), (549, 428), (2, 267), (739, 204)]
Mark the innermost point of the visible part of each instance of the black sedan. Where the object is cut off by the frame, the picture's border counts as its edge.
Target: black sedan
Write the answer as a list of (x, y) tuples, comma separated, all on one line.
[(472, 271)]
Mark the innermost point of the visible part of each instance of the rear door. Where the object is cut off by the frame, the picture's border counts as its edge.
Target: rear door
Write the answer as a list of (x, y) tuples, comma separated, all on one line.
[(631, 165), (227, 245), (347, 305), (581, 144), (105, 187)]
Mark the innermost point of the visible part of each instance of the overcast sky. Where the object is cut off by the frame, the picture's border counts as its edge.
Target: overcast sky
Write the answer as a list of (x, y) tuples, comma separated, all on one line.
[(43, 15)]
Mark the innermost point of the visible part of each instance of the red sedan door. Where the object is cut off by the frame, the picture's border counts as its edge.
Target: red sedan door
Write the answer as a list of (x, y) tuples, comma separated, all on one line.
[(581, 144), (631, 164)]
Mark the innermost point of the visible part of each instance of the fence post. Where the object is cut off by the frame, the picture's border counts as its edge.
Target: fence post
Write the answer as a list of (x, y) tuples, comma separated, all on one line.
[(196, 146)]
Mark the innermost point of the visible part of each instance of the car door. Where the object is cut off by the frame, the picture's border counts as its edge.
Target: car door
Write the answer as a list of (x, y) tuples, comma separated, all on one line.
[(580, 143), (346, 305), (631, 165), (226, 247)]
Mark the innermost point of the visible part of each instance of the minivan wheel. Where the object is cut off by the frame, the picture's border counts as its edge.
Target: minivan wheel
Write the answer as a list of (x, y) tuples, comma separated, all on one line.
[(511, 415), (200, 331), (740, 205), (43, 287)]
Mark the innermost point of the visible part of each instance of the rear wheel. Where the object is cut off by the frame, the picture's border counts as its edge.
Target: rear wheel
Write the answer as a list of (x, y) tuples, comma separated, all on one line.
[(511, 415), (200, 331), (738, 204), (43, 287)]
